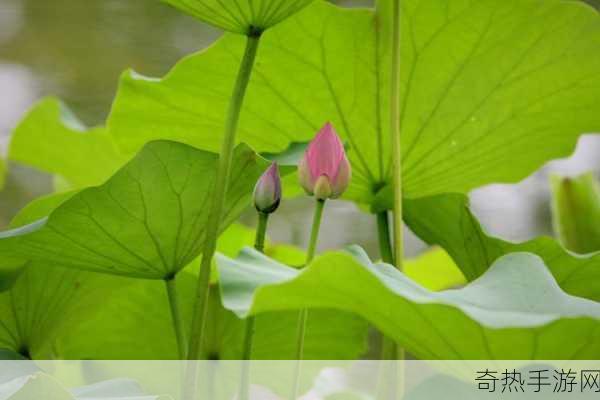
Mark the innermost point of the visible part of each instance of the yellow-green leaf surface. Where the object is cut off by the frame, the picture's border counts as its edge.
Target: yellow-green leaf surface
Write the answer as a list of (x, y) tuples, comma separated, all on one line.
[(240, 16), (576, 212), (50, 138), (40, 208), (481, 81), (12, 266), (147, 221), (514, 311), (447, 221), (434, 270)]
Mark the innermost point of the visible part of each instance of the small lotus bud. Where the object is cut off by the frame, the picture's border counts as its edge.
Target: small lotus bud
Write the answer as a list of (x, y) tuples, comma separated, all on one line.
[(267, 192), (324, 170)]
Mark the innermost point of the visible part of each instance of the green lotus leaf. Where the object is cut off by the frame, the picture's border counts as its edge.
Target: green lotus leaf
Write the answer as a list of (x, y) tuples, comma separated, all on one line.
[(593, 3), (515, 310), (576, 212), (10, 269), (6, 354), (44, 302), (447, 221), (481, 81), (147, 221), (434, 270), (143, 309), (54, 312), (40, 208), (241, 16), (52, 139)]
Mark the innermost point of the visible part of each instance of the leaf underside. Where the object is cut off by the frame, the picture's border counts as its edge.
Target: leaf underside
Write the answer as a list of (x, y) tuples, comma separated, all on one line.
[(55, 313), (240, 16), (147, 221)]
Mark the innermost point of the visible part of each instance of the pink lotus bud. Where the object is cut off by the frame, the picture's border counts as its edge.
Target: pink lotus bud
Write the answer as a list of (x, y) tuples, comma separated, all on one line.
[(267, 192), (324, 170)]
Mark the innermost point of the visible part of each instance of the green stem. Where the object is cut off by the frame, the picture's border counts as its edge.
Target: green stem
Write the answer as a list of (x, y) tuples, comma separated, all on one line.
[(220, 189), (259, 244), (396, 149), (393, 350), (395, 132), (383, 230), (261, 232), (302, 320), (303, 317), (389, 349), (314, 233), (248, 336), (176, 317)]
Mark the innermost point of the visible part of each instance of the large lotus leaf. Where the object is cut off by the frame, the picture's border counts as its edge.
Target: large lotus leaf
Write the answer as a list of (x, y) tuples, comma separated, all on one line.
[(6, 354), (44, 302), (514, 311), (39, 208), (52, 139), (576, 212), (147, 221), (9, 272), (434, 270), (447, 221), (103, 329), (481, 82), (241, 16), (10, 268), (593, 3), (136, 324)]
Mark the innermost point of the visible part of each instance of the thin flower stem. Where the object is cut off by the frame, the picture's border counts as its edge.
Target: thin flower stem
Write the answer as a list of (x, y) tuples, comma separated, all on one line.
[(302, 320), (259, 244), (388, 346), (261, 232), (303, 317), (391, 349), (176, 317), (395, 130), (220, 189), (396, 149), (383, 230), (314, 234)]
